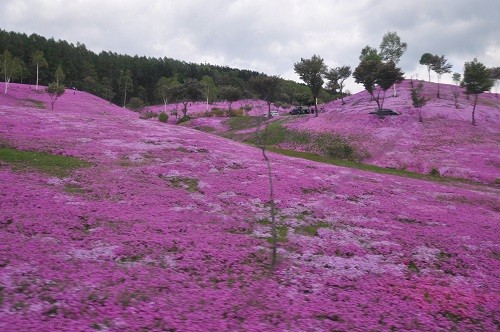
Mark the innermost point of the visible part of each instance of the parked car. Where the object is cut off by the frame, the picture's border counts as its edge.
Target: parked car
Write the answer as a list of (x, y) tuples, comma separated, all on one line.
[(300, 110), (274, 113), (384, 111)]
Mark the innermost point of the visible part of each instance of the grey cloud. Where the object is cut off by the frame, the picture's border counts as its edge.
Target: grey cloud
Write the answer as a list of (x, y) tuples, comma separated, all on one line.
[(267, 36)]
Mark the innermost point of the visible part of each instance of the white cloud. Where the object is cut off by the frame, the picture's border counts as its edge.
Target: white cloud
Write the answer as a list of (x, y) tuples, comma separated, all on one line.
[(267, 36)]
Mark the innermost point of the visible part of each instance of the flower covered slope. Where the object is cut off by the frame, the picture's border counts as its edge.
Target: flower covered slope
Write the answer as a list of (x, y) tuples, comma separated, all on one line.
[(445, 140), (168, 231)]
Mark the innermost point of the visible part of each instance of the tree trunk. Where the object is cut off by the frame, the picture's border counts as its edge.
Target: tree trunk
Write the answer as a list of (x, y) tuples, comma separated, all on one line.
[(474, 110), (165, 103), (274, 230), (420, 119), (7, 80), (125, 98), (394, 90), (316, 107), (36, 88)]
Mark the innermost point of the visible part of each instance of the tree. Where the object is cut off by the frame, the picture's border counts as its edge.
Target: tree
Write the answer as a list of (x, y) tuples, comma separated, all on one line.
[(190, 90), (440, 66), (418, 99), (310, 71), (209, 89), (55, 90), (391, 49), (336, 77), (162, 89), (267, 88), (59, 75), (39, 61), (376, 75), (369, 53), (457, 77), (106, 90), (11, 68), (125, 84), (229, 93), (477, 79), (427, 59)]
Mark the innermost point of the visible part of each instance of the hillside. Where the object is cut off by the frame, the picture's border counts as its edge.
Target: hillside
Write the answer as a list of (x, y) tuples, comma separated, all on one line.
[(164, 228), (445, 141)]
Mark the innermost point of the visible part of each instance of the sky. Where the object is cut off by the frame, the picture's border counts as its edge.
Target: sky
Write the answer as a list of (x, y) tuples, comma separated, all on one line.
[(268, 36)]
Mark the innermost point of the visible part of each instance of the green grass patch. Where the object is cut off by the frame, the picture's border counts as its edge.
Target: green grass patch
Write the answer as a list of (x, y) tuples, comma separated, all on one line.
[(368, 167), (34, 103), (243, 122), (282, 233), (55, 165), (190, 184), (74, 189), (312, 230)]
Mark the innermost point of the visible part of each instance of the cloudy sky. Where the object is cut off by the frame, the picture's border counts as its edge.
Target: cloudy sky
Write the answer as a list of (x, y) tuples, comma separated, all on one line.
[(268, 36)]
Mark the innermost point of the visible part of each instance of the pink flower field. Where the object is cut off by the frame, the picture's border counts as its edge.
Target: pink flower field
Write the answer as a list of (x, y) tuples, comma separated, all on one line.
[(167, 228), (445, 140)]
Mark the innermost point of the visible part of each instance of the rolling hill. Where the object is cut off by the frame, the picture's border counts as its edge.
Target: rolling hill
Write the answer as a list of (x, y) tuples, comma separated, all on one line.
[(123, 224)]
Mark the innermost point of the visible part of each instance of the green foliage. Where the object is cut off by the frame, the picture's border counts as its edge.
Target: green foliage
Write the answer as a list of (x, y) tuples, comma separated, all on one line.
[(477, 79), (418, 99), (427, 59), (184, 118), (163, 117), (125, 84), (55, 90), (164, 87), (230, 94), (434, 172), (371, 73), (135, 104), (369, 53), (55, 165), (440, 66), (310, 71), (10, 67), (336, 79), (210, 90), (266, 88), (59, 75), (391, 47)]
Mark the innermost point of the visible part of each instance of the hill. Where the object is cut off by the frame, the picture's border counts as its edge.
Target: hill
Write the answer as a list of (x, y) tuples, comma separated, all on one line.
[(151, 226), (445, 142)]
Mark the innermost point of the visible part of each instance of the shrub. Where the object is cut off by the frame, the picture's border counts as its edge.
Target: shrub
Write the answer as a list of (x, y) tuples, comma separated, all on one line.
[(135, 104), (185, 118), (235, 112), (148, 115), (163, 117), (217, 111), (434, 172)]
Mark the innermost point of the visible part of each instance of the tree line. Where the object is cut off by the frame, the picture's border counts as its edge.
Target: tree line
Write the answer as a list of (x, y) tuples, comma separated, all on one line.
[(117, 77)]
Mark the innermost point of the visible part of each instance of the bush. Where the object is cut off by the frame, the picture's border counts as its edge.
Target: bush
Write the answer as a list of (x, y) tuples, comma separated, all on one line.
[(235, 112), (148, 115), (185, 118), (434, 172), (163, 117), (135, 104), (217, 111)]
